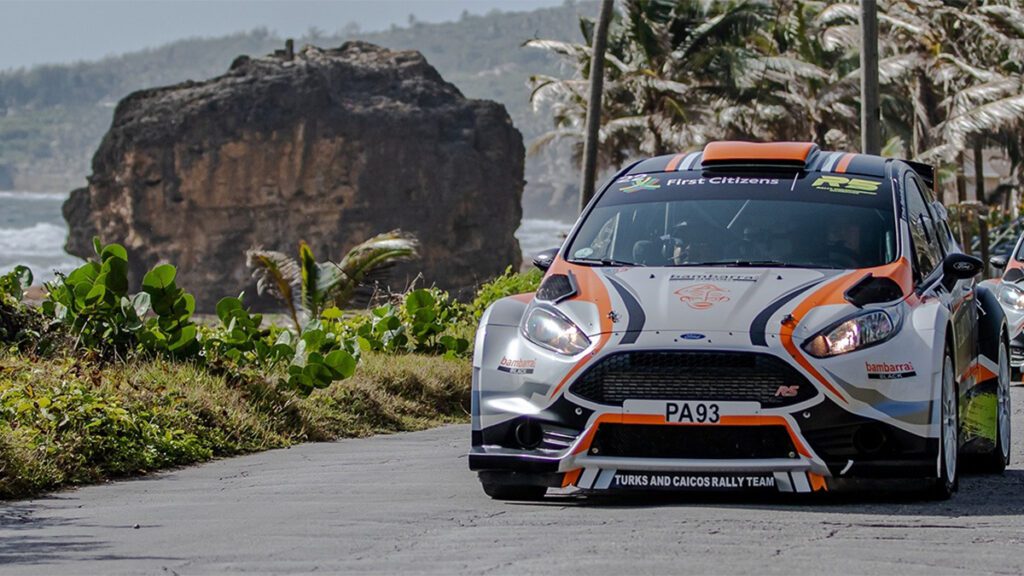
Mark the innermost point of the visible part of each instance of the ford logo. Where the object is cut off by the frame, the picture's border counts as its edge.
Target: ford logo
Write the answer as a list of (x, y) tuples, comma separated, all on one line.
[(692, 336)]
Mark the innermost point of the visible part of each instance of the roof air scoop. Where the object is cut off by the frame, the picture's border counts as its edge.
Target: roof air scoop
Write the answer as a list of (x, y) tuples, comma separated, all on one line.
[(784, 153)]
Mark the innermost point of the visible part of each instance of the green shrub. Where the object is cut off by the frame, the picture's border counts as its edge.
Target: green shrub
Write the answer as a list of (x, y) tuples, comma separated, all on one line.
[(508, 284), (19, 324), (427, 321), (430, 314), (93, 303), (316, 358), (14, 283), (171, 332)]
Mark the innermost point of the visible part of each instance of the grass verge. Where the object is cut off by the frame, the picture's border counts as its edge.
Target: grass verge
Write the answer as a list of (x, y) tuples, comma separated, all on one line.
[(64, 421)]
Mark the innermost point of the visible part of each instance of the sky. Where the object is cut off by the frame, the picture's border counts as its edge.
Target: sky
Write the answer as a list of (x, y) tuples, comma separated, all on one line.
[(58, 31)]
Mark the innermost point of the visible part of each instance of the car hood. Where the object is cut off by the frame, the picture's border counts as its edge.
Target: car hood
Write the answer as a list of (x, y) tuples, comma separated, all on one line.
[(699, 300)]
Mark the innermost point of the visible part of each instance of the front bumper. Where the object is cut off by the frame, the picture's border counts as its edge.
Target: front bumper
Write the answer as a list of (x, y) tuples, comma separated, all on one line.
[(827, 443), (1017, 351)]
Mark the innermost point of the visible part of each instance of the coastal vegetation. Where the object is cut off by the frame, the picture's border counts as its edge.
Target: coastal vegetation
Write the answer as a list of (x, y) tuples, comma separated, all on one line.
[(101, 380)]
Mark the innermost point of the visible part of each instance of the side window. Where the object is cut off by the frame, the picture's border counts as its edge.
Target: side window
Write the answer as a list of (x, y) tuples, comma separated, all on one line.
[(923, 233)]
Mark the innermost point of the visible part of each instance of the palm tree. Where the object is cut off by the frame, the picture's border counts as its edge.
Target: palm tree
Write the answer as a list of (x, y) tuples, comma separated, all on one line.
[(307, 287), (667, 63), (682, 72)]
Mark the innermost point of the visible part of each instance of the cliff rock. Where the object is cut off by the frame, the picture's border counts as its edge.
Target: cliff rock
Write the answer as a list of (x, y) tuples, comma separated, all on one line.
[(329, 145)]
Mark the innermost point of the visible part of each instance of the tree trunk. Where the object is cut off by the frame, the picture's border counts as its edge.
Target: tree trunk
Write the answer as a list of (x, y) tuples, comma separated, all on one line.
[(590, 142)]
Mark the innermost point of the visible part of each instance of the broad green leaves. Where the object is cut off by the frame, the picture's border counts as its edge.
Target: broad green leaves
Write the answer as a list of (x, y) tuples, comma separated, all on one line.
[(14, 283), (315, 360), (94, 303), (420, 325)]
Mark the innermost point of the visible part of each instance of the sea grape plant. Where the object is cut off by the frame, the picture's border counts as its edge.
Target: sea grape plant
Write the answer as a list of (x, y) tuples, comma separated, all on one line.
[(429, 313), (14, 283), (94, 303), (171, 331), (315, 360)]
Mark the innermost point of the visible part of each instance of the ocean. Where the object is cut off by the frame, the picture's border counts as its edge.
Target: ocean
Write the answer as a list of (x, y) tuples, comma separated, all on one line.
[(32, 233)]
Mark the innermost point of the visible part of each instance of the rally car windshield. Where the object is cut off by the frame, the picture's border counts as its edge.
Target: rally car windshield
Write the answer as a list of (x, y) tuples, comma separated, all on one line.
[(693, 219)]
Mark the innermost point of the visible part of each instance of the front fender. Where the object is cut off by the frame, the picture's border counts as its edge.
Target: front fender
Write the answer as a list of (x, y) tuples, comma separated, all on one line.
[(991, 323)]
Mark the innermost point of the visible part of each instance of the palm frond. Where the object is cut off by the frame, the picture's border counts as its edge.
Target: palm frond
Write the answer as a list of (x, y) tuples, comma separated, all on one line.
[(550, 137), (839, 12), (278, 276), (840, 37), (991, 117), (369, 261)]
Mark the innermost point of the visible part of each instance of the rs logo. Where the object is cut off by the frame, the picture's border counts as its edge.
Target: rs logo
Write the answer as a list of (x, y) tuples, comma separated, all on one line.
[(787, 391), (847, 185)]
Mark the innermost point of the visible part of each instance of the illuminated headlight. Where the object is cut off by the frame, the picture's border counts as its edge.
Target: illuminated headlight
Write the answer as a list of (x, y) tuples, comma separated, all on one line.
[(1011, 295), (555, 332), (853, 334)]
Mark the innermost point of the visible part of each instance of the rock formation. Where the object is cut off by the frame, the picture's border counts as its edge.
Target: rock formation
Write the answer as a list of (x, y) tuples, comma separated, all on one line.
[(331, 146)]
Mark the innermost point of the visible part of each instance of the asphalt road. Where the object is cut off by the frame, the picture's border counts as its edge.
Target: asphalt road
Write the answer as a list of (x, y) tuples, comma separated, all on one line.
[(408, 504)]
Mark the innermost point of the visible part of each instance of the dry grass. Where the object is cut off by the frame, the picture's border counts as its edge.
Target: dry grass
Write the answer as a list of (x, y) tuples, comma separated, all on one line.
[(63, 421)]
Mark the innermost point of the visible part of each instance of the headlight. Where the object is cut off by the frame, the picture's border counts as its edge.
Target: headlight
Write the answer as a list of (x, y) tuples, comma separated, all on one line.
[(1011, 295), (553, 331), (853, 334)]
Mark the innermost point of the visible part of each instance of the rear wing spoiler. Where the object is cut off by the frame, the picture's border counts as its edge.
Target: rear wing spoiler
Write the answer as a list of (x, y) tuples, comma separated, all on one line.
[(926, 172)]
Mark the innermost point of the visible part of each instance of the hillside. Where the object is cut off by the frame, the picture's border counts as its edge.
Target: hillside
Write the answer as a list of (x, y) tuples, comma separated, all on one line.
[(52, 117)]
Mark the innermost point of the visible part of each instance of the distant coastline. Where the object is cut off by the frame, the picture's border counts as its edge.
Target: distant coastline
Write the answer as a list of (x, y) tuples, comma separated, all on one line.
[(32, 232)]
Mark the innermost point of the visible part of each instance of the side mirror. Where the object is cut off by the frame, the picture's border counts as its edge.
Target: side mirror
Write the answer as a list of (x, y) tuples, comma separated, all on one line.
[(997, 262), (545, 259), (958, 266)]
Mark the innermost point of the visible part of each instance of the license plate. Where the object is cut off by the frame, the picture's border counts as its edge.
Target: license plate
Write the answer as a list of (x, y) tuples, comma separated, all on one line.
[(690, 411)]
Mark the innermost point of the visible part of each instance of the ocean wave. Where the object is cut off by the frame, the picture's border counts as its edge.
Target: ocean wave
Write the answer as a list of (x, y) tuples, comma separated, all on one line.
[(20, 195), (537, 234), (41, 239)]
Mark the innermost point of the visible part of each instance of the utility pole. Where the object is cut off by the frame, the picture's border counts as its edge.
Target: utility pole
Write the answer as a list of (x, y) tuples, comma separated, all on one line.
[(590, 141), (870, 111), (979, 195)]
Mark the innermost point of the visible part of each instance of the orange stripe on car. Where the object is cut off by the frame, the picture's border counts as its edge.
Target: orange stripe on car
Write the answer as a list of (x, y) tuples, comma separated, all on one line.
[(844, 163), (834, 293), (592, 289), (674, 162)]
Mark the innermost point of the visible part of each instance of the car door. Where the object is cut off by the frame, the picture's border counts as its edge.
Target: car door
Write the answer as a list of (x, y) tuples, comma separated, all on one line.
[(931, 244)]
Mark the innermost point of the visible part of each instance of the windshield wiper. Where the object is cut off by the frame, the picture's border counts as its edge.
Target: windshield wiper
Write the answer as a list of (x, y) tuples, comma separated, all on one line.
[(603, 262), (746, 264)]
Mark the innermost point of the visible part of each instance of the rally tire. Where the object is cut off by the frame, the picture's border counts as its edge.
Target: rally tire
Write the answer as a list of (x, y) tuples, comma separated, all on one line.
[(513, 492), (943, 487), (995, 462)]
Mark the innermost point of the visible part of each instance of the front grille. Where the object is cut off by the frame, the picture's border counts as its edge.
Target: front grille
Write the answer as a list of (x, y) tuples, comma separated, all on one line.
[(697, 442), (1016, 354), (688, 375)]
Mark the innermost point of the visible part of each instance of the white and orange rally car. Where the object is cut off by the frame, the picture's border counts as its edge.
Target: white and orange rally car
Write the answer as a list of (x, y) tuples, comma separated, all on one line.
[(753, 316), (1009, 287)]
